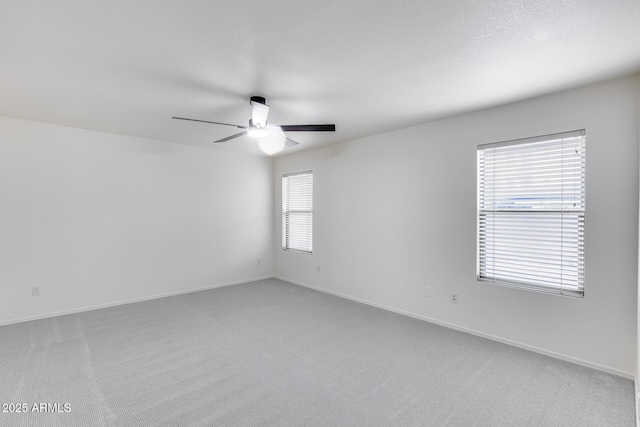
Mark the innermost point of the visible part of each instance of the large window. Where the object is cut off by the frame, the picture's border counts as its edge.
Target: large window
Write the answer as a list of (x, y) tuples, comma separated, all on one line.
[(531, 204), (297, 211)]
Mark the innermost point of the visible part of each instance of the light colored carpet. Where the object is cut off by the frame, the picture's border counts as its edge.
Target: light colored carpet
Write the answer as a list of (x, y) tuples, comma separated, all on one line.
[(269, 353)]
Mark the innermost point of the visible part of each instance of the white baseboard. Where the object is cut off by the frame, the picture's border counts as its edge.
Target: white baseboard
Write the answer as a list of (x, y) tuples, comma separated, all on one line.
[(130, 301), (473, 332)]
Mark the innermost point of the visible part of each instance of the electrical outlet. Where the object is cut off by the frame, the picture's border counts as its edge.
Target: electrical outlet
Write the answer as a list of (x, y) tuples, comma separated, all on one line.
[(428, 292), (454, 298), (35, 291)]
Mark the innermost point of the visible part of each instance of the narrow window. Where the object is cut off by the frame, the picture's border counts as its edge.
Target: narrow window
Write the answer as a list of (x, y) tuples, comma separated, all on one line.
[(297, 211), (531, 205)]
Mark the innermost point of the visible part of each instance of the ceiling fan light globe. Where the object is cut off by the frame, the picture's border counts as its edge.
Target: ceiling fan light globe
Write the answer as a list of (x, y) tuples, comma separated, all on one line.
[(272, 144), (258, 133)]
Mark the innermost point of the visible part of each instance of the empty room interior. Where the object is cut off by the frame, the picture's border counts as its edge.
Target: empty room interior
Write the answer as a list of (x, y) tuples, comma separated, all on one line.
[(356, 213)]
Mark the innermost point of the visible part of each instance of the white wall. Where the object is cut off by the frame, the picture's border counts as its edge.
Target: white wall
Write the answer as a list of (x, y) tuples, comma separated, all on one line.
[(396, 212), (96, 219)]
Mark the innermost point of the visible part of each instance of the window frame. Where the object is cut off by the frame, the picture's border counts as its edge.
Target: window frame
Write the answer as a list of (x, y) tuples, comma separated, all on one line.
[(287, 214), (490, 216)]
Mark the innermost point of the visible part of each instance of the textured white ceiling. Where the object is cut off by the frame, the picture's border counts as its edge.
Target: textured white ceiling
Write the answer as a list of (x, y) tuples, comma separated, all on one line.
[(369, 66)]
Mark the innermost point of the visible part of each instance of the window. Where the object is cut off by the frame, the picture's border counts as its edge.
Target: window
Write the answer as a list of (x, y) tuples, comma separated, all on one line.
[(531, 204), (297, 211)]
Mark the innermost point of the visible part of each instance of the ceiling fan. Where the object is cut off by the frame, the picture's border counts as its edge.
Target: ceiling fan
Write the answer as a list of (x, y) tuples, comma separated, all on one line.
[(271, 138)]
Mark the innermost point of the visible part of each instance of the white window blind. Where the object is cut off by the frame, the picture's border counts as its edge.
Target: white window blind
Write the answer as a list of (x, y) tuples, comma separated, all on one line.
[(297, 211), (531, 205)]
